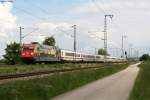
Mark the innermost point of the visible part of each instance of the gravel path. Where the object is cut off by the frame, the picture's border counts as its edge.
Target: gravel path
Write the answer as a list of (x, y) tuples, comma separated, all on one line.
[(114, 87)]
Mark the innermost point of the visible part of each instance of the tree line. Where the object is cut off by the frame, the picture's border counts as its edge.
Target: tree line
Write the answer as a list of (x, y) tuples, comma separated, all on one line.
[(145, 57)]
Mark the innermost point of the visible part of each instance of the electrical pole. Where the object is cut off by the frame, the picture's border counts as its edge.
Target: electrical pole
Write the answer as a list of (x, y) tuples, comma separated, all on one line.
[(96, 51), (129, 51), (105, 35), (122, 48), (122, 45), (74, 47), (20, 37), (137, 54)]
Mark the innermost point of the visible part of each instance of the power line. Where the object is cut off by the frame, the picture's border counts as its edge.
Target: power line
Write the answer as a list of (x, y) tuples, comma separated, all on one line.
[(30, 32), (37, 6), (29, 13), (59, 29), (99, 7)]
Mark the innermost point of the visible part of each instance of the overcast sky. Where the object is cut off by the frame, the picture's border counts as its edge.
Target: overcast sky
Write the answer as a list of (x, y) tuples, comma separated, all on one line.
[(41, 18)]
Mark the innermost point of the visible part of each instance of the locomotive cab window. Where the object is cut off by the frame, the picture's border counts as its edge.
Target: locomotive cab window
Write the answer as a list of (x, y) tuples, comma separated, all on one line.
[(28, 49)]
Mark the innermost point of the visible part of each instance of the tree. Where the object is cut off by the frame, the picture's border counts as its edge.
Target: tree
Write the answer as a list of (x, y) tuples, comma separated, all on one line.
[(102, 52), (145, 57), (49, 41), (12, 55)]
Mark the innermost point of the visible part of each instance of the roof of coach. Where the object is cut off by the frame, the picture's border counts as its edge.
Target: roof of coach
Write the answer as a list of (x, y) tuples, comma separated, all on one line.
[(70, 51), (46, 46)]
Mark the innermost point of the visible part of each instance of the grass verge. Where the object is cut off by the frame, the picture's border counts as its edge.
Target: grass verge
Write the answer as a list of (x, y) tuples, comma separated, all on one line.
[(41, 67), (141, 89), (47, 87)]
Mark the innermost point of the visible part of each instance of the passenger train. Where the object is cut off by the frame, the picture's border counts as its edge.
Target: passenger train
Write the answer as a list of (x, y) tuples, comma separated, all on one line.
[(35, 52)]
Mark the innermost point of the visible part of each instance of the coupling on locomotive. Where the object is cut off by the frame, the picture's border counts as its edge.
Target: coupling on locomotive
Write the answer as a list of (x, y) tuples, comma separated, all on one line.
[(43, 53)]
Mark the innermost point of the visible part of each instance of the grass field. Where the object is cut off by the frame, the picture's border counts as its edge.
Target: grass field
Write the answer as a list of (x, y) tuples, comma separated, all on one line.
[(141, 89), (4, 70), (47, 87)]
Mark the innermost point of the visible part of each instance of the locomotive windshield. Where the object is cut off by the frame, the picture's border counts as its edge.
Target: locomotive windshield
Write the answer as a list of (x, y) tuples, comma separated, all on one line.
[(28, 49)]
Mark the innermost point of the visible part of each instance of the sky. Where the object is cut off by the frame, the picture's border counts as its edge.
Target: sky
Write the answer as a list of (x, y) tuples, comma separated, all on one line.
[(42, 18)]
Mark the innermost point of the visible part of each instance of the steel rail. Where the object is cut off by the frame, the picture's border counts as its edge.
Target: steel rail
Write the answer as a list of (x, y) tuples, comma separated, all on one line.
[(21, 75)]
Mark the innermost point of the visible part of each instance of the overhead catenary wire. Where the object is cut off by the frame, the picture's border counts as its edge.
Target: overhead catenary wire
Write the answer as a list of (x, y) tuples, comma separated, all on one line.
[(37, 29), (99, 7), (37, 6), (27, 12), (30, 14), (59, 29)]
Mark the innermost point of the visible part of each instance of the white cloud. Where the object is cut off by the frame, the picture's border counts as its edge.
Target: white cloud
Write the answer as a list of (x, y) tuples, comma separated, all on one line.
[(53, 26), (7, 19), (7, 25)]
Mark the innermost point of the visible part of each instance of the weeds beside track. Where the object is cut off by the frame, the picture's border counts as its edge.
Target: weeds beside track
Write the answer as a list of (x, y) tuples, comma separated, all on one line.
[(13, 76)]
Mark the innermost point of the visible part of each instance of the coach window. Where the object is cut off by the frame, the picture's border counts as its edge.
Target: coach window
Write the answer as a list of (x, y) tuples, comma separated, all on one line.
[(38, 49), (77, 55)]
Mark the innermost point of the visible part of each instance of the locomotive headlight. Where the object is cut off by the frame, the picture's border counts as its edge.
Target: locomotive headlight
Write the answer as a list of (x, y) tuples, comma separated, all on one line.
[(31, 53), (23, 54)]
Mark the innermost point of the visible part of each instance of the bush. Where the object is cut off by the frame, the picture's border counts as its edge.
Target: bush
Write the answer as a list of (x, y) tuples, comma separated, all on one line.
[(2, 61), (145, 57), (12, 55)]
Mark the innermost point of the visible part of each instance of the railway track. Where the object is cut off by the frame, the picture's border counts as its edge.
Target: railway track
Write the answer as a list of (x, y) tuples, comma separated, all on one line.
[(15, 76)]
